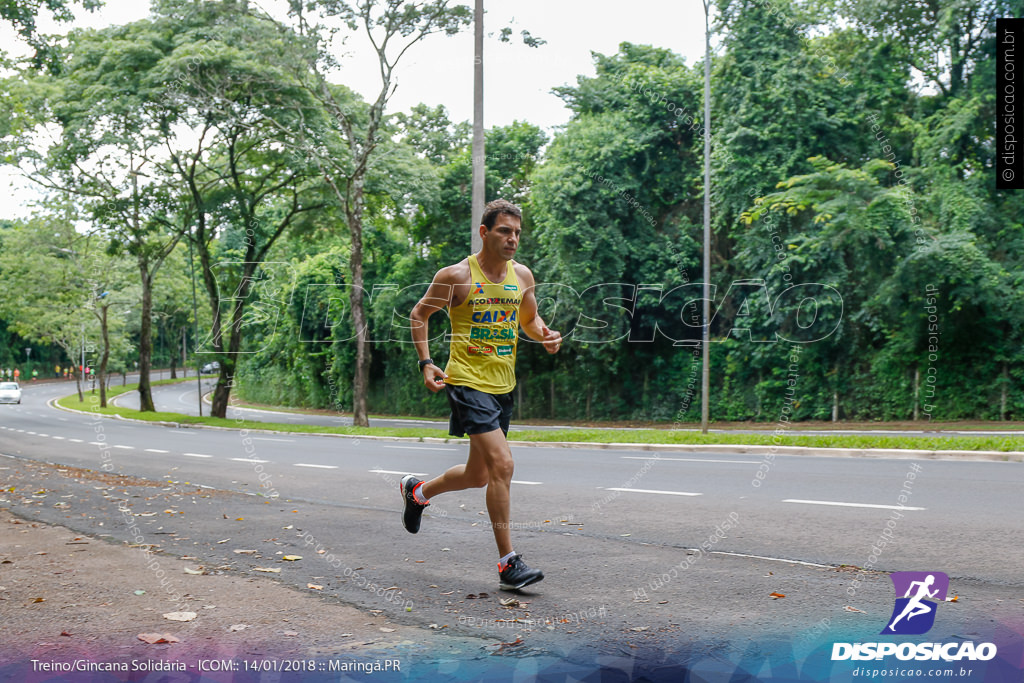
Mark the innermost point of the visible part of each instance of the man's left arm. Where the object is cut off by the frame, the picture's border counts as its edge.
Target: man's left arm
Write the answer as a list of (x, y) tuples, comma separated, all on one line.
[(529, 318)]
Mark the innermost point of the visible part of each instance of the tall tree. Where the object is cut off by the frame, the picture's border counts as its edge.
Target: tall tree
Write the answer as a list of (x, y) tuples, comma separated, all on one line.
[(244, 183), (59, 286), (392, 28), (112, 128)]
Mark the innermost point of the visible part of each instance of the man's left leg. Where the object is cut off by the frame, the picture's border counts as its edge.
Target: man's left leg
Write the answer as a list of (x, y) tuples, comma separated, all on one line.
[(513, 573)]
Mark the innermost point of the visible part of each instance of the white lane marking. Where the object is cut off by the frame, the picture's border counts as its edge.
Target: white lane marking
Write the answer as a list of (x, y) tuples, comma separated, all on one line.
[(739, 462), (263, 438), (47, 435), (323, 467), (127, 448), (415, 474), (421, 448), (59, 438), (248, 460), (75, 440), (666, 493), (22, 430), (97, 443), (772, 559), (851, 505), (62, 419), (197, 455), (527, 483), (155, 450)]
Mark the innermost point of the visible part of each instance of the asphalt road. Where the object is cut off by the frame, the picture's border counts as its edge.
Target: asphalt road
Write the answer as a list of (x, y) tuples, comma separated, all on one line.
[(615, 531)]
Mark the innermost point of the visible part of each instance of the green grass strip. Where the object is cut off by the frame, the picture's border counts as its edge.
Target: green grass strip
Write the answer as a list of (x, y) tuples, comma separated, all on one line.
[(641, 436)]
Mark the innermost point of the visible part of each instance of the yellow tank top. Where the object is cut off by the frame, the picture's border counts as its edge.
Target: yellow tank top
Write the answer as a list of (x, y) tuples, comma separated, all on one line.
[(485, 328)]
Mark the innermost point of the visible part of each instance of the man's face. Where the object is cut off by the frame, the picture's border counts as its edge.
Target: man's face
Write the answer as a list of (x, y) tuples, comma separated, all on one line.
[(503, 238)]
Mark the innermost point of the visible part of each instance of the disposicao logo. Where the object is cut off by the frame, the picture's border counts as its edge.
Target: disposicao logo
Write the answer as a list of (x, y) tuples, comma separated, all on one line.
[(917, 596), (914, 612)]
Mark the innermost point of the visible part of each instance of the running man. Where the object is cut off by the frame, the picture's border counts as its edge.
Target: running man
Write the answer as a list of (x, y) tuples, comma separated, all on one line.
[(915, 606), (489, 297)]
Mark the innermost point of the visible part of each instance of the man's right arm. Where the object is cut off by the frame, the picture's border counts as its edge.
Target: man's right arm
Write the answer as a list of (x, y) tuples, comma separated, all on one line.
[(438, 296)]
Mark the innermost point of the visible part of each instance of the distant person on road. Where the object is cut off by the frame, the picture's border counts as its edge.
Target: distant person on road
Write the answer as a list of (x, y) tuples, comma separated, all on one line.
[(489, 297), (17, 374), (35, 374)]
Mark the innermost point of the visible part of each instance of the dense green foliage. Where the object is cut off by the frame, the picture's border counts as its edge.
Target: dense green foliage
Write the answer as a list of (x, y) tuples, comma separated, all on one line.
[(865, 267)]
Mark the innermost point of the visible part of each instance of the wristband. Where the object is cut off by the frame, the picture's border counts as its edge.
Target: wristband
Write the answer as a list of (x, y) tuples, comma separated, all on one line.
[(425, 362)]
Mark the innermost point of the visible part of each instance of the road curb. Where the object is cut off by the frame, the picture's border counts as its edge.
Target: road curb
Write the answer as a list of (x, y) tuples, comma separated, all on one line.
[(740, 449)]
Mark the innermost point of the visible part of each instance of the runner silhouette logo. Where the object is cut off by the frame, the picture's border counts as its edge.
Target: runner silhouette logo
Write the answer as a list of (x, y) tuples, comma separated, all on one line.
[(917, 594)]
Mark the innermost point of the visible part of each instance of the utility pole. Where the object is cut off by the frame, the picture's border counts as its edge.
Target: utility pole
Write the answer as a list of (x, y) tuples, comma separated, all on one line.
[(705, 381), (478, 127)]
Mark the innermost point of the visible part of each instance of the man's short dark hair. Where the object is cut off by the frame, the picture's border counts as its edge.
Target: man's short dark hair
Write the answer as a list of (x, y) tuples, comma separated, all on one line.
[(496, 208)]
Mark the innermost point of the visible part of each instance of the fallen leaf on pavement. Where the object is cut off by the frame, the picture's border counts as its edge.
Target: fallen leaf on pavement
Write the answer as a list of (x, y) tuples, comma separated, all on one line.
[(509, 602), (268, 570), (777, 595), (314, 586), (195, 572), (638, 628), (238, 627), (385, 629), (292, 558), (506, 646), (154, 638), (246, 552), (180, 616), (854, 609)]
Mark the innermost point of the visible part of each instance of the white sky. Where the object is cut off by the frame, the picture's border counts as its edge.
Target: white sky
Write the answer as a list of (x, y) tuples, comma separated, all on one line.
[(440, 69)]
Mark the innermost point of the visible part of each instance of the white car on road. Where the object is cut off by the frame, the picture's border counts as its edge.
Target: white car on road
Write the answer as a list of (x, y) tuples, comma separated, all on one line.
[(10, 392)]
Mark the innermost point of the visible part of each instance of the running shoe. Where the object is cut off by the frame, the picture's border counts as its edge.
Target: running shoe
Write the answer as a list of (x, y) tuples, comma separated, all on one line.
[(413, 510), (515, 574)]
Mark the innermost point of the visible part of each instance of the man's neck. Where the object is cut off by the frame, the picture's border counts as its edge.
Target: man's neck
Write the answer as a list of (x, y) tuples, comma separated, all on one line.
[(492, 265)]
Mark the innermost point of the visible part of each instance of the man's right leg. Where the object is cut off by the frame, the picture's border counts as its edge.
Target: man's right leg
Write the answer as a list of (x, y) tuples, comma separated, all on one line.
[(472, 475)]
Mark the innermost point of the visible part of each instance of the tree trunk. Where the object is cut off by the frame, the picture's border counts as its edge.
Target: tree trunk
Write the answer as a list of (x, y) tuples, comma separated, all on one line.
[(917, 392), (552, 391), (146, 340), (174, 357), (1002, 392), (105, 333), (361, 381), (222, 391), (519, 401)]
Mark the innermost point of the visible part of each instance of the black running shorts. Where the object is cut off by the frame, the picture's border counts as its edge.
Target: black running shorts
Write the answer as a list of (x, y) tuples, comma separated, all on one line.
[(477, 412)]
